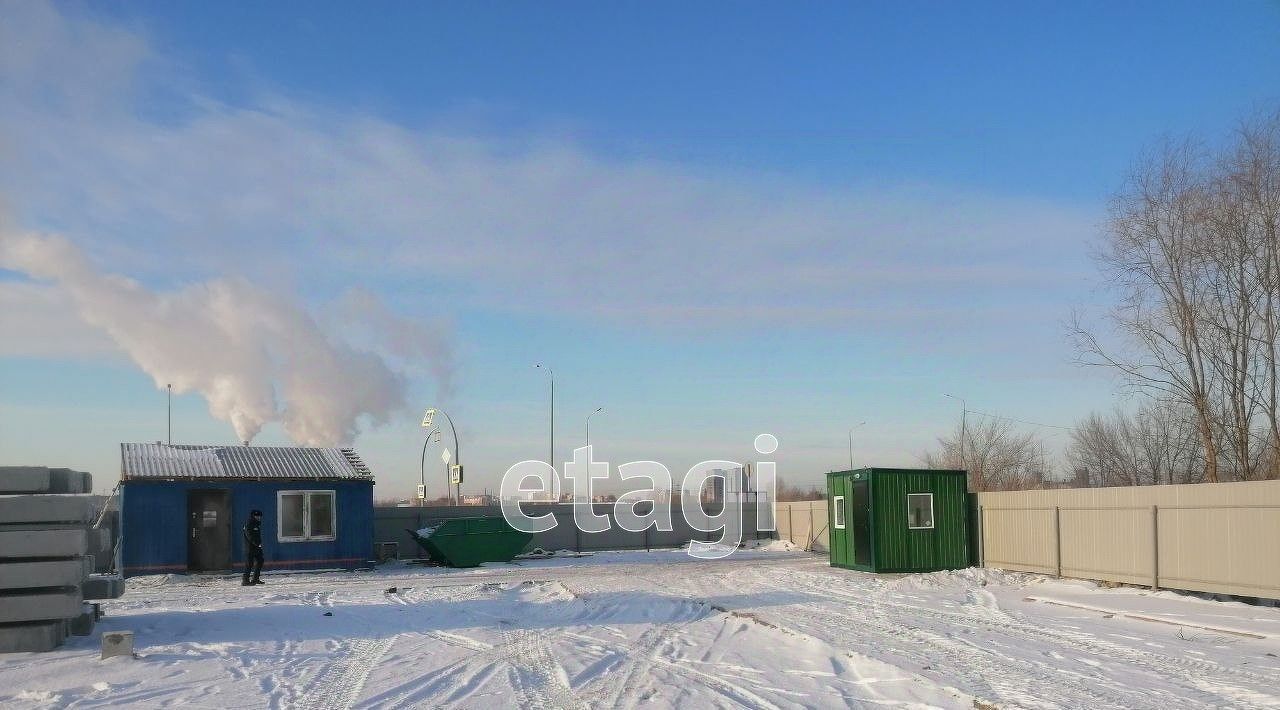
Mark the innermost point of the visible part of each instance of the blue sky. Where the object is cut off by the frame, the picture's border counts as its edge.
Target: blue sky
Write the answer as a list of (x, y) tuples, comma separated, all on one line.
[(714, 220)]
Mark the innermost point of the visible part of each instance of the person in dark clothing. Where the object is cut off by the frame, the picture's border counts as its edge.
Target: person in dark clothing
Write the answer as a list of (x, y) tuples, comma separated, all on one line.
[(253, 549)]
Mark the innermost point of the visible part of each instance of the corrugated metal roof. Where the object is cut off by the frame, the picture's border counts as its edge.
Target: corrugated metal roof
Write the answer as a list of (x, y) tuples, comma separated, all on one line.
[(163, 461)]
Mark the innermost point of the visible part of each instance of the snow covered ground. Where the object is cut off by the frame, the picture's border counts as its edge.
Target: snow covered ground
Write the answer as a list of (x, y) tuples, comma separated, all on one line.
[(659, 629)]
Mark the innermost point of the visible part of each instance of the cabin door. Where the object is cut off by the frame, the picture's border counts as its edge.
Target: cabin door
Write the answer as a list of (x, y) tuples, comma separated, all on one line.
[(860, 517), (208, 530)]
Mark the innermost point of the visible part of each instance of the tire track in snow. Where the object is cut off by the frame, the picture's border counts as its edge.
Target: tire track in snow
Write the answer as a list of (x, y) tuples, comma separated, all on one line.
[(538, 677), (534, 673), (1002, 675), (646, 653), (339, 684), (280, 686), (447, 685), (455, 681), (1002, 621), (985, 672), (996, 674)]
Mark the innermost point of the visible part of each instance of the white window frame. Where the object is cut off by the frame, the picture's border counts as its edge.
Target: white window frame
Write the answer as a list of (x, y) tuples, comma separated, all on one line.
[(306, 516), (932, 520), (837, 512)]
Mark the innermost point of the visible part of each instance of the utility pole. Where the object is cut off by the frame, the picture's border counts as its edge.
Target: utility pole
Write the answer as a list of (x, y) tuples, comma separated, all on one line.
[(855, 426), (551, 457), (964, 416), (598, 410)]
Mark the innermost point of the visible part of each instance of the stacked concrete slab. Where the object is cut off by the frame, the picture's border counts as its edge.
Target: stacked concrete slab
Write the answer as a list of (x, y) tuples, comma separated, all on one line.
[(47, 541)]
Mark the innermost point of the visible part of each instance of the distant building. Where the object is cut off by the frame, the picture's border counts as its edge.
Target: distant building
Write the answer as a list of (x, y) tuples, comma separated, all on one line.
[(183, 507), (731, 485)]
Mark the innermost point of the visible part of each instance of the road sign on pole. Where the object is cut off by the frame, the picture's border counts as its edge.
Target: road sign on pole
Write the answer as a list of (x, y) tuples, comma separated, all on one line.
[(455, 474), (445, 456), (427, 418), (422, 492)]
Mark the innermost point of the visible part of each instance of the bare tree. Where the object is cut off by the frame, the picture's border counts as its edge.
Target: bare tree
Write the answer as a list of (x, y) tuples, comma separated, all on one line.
[(1153, 258), (788, 493), (997, 457), (1193, 252), (1228, 253), (1158, 444), (1252, 175)]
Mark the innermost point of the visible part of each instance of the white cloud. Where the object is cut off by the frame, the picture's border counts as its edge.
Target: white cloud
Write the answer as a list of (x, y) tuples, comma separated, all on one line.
[(39, 320), (415, 343), (280, 189)]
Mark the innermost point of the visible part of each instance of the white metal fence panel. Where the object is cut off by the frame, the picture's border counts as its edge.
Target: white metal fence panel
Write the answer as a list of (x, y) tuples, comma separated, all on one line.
[(804, 523), (1212, 537)]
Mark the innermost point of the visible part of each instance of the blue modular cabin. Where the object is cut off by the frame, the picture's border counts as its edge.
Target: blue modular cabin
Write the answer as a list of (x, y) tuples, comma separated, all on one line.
[(183, 507)]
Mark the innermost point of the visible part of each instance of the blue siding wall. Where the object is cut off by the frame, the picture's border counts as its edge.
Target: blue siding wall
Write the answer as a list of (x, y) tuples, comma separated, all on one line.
[(154, 526)]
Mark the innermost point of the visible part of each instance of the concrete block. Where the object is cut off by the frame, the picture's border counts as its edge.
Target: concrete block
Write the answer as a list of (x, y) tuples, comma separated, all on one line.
[(52, 508), (117, 643), (82, 623), (43, 543), (48, 526), (103, 564), (24, 479), (103, 586), (104, 551), (64, 480), (17, 574), (42, 479), (32, 637), (45, 606), (102, 541)]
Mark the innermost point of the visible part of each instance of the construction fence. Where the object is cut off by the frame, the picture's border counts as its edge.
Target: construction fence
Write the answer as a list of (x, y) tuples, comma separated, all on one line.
[(391, 525), (804, 523), (1210, 537), (1216, 537)]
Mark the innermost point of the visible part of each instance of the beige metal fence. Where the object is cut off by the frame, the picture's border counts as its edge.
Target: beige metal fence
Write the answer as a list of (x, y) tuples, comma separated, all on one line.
[(803, 523), (1213, 537)]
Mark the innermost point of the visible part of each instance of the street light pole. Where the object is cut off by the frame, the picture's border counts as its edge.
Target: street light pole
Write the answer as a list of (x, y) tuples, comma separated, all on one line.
[(422, 465), (457, 447), (598, 410), (964, 415), (551, 457), (855, 426)]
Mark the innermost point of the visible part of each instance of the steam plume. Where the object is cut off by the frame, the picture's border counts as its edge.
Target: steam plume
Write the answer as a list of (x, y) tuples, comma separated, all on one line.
[(254, 356)]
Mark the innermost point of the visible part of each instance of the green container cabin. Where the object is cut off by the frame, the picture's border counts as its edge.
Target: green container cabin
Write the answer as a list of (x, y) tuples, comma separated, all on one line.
[(898, 520)]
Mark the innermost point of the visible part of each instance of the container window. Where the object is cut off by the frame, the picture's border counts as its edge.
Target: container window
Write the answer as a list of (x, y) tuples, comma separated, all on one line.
[(837, 513), (306, 516), (292, 517), (919, 511), (322, 522)]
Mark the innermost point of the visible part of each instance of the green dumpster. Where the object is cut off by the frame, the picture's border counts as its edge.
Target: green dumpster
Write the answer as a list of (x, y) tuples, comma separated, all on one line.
[(467, 542)]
